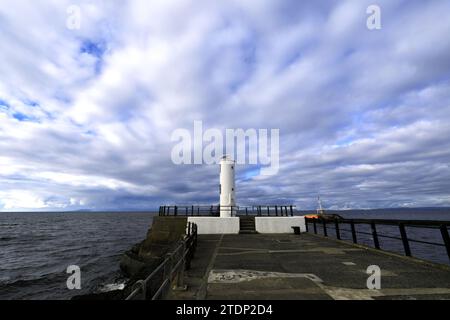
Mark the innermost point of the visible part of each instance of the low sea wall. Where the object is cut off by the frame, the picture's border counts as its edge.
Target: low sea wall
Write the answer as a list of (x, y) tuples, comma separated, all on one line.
[(215, 225), (279, 224)]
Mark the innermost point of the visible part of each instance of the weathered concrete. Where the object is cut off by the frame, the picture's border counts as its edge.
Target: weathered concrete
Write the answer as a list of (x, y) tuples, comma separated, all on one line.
[(279, 225), (285, 267), (163, 234)]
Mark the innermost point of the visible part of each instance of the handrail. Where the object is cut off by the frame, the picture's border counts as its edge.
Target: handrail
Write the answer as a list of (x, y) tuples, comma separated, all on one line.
[(411, 223), (214, 210), (401, 224), (184, 253)]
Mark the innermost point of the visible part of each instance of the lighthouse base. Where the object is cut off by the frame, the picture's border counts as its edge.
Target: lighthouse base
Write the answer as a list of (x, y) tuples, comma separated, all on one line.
[(231, 225)]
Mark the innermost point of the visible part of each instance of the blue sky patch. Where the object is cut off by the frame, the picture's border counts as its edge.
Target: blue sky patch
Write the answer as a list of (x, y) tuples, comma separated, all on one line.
[(23, 117), (249, 174), (4, 104), (96, 49), (31, 103)]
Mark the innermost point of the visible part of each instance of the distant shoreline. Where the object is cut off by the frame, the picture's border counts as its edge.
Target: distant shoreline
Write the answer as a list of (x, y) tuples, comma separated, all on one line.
[(306, 211)]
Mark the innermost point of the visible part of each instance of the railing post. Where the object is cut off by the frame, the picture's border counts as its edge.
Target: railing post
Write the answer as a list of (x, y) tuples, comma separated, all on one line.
[(445, 238), (167, 269), (401, 226), (168, 266), (190, 249), (176, 210), (375, 235), (352, 225), (192, 210), (292, 212), (246, 211), (338, 232), (198, 211), (276, 211), (315, 226), (143, 286), (324, 222), (195, 237), (187, 263), (306, 225), (179, 284)]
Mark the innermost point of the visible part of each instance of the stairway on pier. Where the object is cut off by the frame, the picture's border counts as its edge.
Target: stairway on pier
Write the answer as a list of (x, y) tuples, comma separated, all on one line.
[(247, 225)]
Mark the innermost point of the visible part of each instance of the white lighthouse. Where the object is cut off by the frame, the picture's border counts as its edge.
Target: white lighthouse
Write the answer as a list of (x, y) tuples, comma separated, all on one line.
[(230, 223), (227, 186)]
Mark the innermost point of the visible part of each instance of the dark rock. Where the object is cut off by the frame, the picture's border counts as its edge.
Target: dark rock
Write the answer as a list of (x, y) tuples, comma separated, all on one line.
[(110, 295), (131, 264), (143, 258)]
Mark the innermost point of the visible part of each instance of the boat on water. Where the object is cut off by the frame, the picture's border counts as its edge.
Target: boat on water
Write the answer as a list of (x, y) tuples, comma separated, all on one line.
[(321, 214)]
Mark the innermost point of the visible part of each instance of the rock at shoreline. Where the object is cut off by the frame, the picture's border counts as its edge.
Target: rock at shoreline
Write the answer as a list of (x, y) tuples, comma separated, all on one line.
[(164, 233), (140, 261)]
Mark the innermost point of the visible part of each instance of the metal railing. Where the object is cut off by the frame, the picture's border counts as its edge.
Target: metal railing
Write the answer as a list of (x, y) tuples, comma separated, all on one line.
[(267, 210), (213, 211), (263, 210), (170, 273), (336, 224)]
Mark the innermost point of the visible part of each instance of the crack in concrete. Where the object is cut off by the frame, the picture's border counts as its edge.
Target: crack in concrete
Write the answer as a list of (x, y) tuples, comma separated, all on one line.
[(336, 293), (237, 276)]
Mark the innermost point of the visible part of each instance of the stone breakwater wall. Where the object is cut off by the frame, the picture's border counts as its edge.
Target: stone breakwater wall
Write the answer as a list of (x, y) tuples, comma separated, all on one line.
[(138, 262)]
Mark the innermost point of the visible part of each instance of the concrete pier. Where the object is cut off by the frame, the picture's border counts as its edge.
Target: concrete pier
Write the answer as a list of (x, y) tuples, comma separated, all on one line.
[(306, 266)]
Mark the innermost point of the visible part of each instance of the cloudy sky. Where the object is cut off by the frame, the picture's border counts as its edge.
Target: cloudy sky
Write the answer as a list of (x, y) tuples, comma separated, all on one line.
[(87, 114)]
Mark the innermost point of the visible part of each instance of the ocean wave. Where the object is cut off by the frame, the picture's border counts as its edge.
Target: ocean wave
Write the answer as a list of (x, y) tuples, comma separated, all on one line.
[(38, 280), (111, 287), (8, 238)]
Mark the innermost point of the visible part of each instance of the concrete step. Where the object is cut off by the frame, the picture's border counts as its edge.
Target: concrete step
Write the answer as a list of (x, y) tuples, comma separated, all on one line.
[(247, 232), (247, 225)]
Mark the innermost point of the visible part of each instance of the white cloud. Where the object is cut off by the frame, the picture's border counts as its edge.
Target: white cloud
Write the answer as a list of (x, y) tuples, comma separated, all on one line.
[(87, 115), (19, 199)]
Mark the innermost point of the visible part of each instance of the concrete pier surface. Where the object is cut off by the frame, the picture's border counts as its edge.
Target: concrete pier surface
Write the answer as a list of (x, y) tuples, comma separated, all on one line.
[(306, 266)]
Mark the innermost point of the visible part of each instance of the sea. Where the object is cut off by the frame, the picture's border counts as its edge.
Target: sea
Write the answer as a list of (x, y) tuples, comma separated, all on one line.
[(36, 249)]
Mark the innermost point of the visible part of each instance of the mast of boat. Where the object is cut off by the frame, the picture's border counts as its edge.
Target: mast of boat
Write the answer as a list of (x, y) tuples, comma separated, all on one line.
[(319, 208)]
